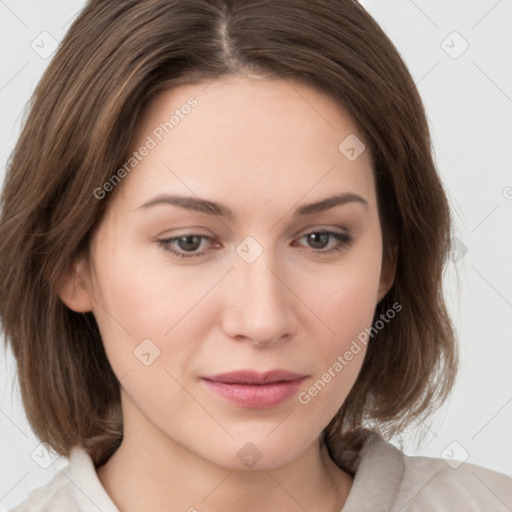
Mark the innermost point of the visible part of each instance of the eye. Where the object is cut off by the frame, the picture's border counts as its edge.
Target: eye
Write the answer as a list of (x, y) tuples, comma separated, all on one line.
[(188, 242), (185, 245), (321, 239)]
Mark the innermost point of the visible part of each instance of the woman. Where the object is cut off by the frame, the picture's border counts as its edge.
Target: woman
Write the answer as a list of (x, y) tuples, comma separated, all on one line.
[(222, 245)]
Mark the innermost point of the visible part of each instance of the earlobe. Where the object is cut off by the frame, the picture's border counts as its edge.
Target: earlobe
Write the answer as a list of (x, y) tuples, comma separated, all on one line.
[(73, 289), (387, 275)]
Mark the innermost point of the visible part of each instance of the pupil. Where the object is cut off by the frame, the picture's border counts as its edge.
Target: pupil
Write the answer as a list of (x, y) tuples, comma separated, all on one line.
[(192, 242), (314, 237)]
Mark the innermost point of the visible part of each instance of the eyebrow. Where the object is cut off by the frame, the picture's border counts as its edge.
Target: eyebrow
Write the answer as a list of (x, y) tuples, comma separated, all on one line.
[(218, 209)]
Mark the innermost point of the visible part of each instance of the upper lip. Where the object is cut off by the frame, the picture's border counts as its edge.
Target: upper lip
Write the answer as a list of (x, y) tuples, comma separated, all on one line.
[(255, 377)]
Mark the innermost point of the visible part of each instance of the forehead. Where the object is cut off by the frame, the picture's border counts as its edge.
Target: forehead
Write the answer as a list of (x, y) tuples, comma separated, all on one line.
[(247, 139)]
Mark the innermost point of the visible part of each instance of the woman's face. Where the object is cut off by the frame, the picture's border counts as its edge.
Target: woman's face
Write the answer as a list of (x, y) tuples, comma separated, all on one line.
[(261, 289)]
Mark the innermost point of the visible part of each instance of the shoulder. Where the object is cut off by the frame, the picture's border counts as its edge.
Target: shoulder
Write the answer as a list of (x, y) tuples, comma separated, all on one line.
[(386, 479), (56, 496), (433, 483), (75, 488)]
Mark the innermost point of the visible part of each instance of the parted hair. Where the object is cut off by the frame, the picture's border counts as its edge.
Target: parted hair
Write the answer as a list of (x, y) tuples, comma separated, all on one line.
[(77, 131)]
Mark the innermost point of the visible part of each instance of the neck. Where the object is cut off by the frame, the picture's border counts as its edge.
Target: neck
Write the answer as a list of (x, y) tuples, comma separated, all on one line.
[(151, 472)]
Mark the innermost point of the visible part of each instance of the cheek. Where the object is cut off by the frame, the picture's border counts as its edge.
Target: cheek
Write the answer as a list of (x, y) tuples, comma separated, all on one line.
[(345, 305), (344, 297), (347, 308), (147, 297), (148, 312)]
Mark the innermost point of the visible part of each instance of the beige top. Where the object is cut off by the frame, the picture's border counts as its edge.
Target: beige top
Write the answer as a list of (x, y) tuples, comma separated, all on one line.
[(385, 479)]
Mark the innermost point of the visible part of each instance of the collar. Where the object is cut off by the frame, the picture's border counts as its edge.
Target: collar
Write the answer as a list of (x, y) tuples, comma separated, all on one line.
[(378, 469)]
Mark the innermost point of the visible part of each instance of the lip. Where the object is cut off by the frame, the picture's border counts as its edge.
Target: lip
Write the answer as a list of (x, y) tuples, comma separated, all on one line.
[(255, 390)]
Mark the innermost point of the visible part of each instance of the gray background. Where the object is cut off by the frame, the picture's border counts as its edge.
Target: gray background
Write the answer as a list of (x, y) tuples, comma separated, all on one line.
[(468, 96)]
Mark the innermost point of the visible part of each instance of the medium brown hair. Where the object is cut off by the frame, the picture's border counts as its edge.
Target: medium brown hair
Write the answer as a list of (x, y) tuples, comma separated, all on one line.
[(116, 56)]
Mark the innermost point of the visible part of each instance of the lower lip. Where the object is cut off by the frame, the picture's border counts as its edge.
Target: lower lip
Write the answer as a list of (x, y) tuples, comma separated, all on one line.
[(256, 396)]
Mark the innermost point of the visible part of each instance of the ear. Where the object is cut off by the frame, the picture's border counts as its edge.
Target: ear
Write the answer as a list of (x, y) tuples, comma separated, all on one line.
[(387, 273), (74, 287)]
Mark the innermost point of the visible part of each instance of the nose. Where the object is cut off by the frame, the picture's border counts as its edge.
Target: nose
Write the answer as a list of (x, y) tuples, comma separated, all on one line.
[(259, 304)]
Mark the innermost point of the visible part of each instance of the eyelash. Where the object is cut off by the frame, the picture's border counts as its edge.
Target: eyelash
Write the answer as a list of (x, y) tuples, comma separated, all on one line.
[(344, 241)]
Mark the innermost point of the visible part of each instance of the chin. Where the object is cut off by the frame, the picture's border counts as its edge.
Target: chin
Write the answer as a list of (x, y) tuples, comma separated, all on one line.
[(254, 451)]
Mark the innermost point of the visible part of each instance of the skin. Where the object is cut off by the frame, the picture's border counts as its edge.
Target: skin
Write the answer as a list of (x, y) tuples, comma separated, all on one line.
[(262, 147)]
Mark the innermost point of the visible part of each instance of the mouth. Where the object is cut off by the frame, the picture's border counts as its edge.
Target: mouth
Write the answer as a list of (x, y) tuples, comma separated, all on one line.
[(255, 390)]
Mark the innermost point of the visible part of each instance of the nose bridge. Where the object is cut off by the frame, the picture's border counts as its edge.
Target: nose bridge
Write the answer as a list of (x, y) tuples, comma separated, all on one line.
[(259, 307), (255, 264), (260, 282)]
